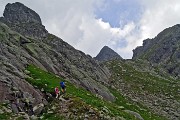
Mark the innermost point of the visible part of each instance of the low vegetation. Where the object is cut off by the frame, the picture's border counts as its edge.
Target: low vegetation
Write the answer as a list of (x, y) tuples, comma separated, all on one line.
[(49, 81), (143, 80)]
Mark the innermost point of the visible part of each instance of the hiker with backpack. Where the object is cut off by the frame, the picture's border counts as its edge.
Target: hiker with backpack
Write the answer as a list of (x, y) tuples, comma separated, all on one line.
[(57, 91), (63, 87)]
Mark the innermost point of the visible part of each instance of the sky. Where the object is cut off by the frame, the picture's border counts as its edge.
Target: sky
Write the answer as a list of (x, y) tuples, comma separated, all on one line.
[(88, 25)]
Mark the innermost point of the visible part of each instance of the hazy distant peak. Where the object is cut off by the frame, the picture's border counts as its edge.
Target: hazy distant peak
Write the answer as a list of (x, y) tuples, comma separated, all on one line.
[(106, 54)]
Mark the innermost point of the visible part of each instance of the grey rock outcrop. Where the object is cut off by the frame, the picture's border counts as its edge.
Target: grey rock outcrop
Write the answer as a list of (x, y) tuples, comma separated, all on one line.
[(162, 51), (23, 20), (106, 54), (19, 13)]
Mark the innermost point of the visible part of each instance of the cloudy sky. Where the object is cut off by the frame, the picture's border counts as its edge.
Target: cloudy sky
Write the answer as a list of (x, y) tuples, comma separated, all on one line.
[(88, 25)]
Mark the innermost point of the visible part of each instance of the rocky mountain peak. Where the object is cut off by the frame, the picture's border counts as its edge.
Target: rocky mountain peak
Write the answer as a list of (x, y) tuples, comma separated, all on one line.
[(162, 50), (19, 13), (23, 20), (106, 54)]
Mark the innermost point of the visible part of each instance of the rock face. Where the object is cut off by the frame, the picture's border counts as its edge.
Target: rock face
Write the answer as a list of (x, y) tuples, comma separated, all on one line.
[(163, 50), (18, 13), (23, 20), (24, 40), (106, 54)]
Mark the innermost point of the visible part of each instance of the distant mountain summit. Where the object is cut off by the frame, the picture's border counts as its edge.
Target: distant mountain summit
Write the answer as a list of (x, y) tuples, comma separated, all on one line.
[(106, 54)]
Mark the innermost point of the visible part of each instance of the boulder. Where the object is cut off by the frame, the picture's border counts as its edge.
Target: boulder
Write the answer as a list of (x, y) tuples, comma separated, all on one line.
[(137, 115), (14, 108), (38, 108)]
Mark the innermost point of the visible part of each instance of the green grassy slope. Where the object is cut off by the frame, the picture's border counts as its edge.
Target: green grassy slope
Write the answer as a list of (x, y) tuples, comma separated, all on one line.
[(48, 81), (143, 80)]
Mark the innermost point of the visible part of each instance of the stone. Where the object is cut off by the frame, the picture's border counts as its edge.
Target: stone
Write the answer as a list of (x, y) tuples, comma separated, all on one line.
[(42, 89), (42, 117), (27, 96), (99, 96), (86, 116), (53, 107), (91, 111), (108, 117), (105, 109), (121, 107), (101, 115), (44, 101), (14, 108), (27, 72), (50, 112), (62, 99), (1, 111), (66, 111), (22, 113), (49, 95), (26, 117), (33, 117), (113, 118), (15, 89), (38, 108), (137, 115)]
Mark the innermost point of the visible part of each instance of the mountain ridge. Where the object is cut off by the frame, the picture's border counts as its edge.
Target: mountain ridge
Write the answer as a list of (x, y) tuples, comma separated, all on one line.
[(36, 46), (163, 50)]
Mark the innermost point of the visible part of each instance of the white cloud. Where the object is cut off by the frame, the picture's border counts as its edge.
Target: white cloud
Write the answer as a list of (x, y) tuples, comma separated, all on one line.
[(158, 15)]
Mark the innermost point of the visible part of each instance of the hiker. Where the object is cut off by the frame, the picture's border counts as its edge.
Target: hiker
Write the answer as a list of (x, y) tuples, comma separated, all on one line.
[(63, 87), (57, 91)]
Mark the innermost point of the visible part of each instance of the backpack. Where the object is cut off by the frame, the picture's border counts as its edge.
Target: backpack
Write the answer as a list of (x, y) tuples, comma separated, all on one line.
[(62, 84)]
